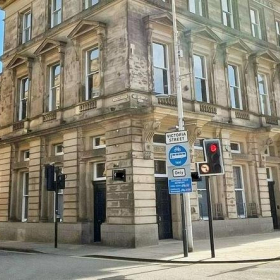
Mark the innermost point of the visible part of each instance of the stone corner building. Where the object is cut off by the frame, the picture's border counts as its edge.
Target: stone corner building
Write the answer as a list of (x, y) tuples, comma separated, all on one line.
[(79, 87)]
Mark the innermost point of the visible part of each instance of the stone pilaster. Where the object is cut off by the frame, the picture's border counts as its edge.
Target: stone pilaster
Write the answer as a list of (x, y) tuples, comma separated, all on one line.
[(262, 141), (34, 181), (131, 205), (229, 188), (253, 150), (70, 168), (5, 173)]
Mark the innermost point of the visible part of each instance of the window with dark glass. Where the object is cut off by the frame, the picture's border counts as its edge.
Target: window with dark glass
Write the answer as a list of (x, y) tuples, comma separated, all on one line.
[(54, 90), (201, 91), (161, 72), (159, 139), (234, 87), (160, 167), (23, 98), (92, 74)]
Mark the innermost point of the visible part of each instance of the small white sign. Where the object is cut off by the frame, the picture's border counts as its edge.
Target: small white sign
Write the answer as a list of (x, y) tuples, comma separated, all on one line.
[(180, 172), (176, 137)]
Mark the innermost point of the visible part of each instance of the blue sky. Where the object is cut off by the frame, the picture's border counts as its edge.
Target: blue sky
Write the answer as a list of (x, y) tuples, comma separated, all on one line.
[(1, 35)]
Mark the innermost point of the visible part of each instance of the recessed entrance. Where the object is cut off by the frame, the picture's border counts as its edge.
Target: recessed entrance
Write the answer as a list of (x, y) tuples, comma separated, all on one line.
[(163, 201), (271, 185), (99, 208)]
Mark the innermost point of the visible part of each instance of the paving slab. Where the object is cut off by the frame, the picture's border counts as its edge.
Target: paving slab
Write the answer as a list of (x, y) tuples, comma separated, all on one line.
[(246, 248)]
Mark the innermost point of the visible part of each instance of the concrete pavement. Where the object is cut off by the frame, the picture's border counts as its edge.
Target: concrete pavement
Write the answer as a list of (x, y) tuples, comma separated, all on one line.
[(248, 248)]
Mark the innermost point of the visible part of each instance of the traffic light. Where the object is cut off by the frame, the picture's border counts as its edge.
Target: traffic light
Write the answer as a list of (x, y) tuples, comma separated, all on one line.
[(49, 177), (212, 148)]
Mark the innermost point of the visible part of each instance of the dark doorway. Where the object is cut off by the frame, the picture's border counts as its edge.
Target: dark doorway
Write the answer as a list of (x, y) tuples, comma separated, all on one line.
[(273, 204), (163, 201), (99, 208)]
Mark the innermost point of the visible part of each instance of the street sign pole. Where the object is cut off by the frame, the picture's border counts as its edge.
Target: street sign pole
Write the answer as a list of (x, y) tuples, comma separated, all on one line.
[(210, 218), (188, 226)]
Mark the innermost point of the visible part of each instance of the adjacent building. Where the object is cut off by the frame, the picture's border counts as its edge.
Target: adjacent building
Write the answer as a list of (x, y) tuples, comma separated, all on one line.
[(80, 89)]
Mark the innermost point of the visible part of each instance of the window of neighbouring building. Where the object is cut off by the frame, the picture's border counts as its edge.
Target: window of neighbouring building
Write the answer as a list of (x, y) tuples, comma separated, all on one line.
[(278, 32), (60, 204), (89, 3), (198, 7), (92, 74), (25, 195), (198, 144), (25, 155), (160, 168), (239, 191), (269, 174), (23, 98), (54, 91), (227, 10), (263, 93), (56, 12), (200, 75), (58, 149), (161, 69), (255, 23), (235, 148), (202, 199), (26, 26), (99, 142), (99, 171), (159, 139), (234, 87)]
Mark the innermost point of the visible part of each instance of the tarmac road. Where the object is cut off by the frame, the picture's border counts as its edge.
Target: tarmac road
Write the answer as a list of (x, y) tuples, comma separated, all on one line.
[(15, 265)]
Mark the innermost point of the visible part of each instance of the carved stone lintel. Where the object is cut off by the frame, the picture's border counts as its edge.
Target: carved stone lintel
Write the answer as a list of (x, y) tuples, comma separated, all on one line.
[(147, 137)]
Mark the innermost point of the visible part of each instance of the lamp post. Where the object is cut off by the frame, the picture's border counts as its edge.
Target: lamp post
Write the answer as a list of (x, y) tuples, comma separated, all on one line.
[(185, 198)]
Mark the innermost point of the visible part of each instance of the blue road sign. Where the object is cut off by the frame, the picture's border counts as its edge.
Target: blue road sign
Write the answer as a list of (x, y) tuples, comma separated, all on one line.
[(178, 168), (178, 155), (177, 186)]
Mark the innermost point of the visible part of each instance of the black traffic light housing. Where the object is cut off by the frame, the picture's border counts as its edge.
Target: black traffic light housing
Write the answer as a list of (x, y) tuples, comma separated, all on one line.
[(49, 177), (213, 154)]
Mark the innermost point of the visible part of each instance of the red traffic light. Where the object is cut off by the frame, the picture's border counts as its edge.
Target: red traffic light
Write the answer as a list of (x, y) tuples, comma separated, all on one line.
[(213, 148)]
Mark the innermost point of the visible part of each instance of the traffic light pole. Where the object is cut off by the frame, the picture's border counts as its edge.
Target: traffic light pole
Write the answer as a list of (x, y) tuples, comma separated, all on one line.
[(185, 198), (210, 218)]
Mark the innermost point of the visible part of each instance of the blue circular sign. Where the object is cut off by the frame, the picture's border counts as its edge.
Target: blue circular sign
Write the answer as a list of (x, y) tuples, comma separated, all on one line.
[(178, 155)]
